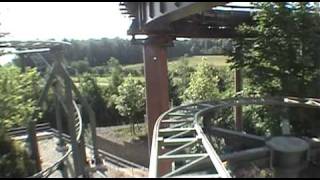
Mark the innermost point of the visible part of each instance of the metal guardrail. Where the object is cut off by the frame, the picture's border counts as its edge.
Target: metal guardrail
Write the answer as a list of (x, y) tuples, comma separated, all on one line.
[(23, 130), (178, 138)]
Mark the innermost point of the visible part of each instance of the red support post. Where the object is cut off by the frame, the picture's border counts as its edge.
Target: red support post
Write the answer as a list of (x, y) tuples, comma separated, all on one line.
[(238, 109), (157, 85), (156, 76)]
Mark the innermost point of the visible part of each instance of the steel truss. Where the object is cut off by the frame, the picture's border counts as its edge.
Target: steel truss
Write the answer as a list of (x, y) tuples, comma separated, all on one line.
[(179, 140), (66, 97)]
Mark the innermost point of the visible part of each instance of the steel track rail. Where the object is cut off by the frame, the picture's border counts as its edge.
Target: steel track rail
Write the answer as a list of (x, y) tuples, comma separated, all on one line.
[(179, 139), (50, 170), (79, 132)]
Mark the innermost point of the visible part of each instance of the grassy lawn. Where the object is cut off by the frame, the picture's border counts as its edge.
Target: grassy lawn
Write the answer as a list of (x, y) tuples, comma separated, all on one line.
[(103, 81), (215, 60)]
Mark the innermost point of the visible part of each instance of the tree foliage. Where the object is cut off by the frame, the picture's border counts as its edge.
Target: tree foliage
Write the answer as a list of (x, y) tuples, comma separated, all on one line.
[(179, 79), (203, 84), (95, 94), (14, 161), (116, 77), (18, 103), (19, 93), (130, 101), (80, 66), (281, 58), (96, 51)]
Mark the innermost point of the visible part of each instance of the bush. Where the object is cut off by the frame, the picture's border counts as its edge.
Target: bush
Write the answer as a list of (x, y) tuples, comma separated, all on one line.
[(81, 66), (14, 161), (130, 101), (203, 84), (179, 79), (95, 96), (19, 93), (281, 60)]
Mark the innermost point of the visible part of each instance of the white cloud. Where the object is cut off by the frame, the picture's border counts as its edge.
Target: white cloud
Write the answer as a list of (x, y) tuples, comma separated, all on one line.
[(78, 20)]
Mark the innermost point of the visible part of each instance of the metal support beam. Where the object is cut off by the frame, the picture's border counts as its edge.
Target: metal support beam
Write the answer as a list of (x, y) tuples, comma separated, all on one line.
[(32, 137), (238, 109), (33, 144), (61, 144), (92, 118), (247, 155), (243, 137), (71, 124), (156, 76)]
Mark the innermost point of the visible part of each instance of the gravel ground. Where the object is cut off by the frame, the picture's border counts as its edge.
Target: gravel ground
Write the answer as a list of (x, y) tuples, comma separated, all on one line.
[(48, 152)]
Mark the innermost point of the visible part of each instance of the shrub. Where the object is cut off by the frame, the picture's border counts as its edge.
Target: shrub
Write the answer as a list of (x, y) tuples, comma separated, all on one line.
[(130, 101), (14, 161), (203, 84), (18, 96)]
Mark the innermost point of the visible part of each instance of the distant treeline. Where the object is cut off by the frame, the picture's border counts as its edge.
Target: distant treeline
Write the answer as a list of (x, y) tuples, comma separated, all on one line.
[(98, 51)]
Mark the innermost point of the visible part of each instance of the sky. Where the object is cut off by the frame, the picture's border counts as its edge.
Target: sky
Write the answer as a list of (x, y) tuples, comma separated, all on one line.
[(59, 20), (77, 20)]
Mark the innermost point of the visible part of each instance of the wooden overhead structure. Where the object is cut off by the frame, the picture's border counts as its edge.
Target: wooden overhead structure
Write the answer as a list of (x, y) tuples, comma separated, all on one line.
[(163, 22)]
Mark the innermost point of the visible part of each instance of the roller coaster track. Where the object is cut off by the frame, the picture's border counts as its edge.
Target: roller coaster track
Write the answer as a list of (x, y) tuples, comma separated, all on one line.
[(59, 78), (48, 171), (41, 63), (178, 138)]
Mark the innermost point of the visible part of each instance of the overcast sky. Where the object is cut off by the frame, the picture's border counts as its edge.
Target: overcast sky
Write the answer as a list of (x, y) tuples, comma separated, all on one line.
[(78, 20)]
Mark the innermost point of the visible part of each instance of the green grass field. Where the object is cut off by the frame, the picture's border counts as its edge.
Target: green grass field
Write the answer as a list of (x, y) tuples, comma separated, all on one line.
[(215, 60), (218, 61)]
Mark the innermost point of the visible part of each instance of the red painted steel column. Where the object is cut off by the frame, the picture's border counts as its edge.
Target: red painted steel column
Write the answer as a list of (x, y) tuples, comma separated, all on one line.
[(156, 76), (157, 86), (238, 109)]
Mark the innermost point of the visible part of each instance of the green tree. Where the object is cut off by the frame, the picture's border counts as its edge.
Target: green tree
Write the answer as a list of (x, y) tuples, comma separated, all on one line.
[(81, 66), (104, 107), (130, 101), (18, 104), (203, 84), (113, 64), (281, 58), (19, 93), (179, 79), (14, 161), (116, 77)]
